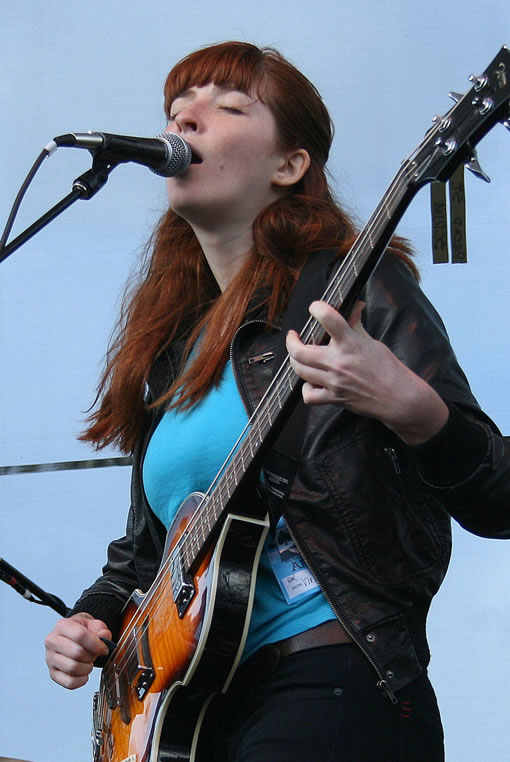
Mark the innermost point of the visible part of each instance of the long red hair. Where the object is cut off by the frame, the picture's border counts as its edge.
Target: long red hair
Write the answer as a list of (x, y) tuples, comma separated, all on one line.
[(178, 296)]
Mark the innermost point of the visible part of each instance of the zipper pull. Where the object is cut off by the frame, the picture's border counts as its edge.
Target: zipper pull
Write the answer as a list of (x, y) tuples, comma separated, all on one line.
[(392, 455), (386, 691), (264, 357)]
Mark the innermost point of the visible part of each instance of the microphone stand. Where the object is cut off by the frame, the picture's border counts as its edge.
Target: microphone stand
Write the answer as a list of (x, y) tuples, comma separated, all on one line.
[(85, 186), (29, 589)]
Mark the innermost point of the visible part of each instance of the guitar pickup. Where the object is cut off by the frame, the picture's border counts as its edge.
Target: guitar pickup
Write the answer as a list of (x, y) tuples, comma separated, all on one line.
[(144, 682), (183, 588), (184, 597)]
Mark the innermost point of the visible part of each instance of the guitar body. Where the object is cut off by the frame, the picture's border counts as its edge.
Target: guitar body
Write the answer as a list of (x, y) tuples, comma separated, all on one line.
[(172, 659)]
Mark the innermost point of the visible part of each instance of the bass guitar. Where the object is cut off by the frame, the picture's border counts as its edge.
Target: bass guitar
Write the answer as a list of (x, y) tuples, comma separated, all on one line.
[(181, 641)]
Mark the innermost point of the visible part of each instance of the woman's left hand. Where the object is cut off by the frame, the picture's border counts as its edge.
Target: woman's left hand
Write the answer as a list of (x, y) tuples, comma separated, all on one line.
[(364, 376)]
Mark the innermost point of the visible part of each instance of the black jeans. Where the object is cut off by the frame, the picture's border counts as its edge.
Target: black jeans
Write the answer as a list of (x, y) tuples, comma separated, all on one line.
[(322, 705)]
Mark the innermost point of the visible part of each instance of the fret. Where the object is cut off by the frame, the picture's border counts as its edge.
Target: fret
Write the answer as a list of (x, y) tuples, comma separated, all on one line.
[(262, 421), (259, 439), (230, 478), (316, 333), (198, 540), (214, 505)]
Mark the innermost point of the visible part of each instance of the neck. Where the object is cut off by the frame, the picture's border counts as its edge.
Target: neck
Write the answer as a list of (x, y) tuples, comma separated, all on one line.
[(225, 251)]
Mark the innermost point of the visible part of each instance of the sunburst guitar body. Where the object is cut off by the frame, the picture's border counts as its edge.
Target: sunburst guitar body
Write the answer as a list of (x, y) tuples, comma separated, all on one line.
[(180, 643)]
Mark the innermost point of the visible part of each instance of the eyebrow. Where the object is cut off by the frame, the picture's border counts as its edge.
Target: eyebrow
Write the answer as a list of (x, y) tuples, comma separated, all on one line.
[(184, 94), (189, 92)]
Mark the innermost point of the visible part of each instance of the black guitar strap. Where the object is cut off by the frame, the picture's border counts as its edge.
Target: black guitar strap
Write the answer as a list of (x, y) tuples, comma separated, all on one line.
[(281, 462)]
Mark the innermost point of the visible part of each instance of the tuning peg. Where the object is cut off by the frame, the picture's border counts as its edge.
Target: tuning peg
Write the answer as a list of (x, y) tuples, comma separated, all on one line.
[(474, 166), (443, 123), (506, 122), (455, 96), (479, 82)]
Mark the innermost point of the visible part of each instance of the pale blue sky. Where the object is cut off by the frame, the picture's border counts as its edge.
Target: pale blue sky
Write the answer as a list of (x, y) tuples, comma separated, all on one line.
[(384, 69)]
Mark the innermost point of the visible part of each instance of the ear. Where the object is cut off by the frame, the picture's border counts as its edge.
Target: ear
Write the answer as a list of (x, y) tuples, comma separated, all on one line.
[(292, 168)]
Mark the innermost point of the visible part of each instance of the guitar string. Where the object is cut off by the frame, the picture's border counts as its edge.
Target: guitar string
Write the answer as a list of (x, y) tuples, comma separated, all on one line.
[(272, 401)]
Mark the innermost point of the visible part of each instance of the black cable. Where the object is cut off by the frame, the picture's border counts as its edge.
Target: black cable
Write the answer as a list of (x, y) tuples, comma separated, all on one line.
[(47, 150)]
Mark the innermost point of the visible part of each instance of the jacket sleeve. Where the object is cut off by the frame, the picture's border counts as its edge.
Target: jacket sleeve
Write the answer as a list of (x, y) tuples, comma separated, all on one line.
[(132, 561), (106, 597), (468, 462)]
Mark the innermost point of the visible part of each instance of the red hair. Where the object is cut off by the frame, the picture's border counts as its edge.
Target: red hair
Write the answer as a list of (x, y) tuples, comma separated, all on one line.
[(178, 296)]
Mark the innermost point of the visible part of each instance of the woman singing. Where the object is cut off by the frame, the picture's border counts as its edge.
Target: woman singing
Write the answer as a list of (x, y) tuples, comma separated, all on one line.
[(392, 445)]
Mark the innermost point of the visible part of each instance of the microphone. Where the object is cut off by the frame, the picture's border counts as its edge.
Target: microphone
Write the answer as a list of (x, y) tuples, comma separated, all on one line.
[(167, 154)]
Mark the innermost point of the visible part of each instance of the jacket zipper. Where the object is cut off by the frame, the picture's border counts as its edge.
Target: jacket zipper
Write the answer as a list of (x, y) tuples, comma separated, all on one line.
[(390, 452), (381, 684)]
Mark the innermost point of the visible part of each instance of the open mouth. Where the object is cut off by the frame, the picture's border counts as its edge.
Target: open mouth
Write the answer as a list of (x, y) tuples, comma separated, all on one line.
[(195, 158)]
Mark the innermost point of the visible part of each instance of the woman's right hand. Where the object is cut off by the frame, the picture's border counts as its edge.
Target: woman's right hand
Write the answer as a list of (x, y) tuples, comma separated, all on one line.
[(72, 648)]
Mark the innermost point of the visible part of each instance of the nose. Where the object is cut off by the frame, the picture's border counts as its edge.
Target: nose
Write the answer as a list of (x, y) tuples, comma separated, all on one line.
[(188, 118)]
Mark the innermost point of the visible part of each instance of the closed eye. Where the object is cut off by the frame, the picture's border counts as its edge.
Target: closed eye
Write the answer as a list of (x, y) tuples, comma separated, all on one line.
[(231, 109)]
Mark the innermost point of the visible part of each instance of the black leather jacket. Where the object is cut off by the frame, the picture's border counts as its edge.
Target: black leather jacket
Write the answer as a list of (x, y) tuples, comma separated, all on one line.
[(370, 514)]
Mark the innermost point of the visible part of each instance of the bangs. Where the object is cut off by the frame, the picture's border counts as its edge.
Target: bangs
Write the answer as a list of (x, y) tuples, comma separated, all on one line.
[(236, 65)]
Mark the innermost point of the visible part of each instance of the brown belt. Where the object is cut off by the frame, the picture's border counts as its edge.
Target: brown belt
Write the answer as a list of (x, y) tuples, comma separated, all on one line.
[(325, 634), (264, 662)]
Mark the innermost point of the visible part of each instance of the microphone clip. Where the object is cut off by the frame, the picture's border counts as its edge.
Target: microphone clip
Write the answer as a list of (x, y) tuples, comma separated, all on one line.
[(91, 181)]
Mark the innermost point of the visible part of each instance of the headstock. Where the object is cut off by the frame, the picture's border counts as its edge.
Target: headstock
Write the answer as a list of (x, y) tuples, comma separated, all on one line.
[(453, 137)]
